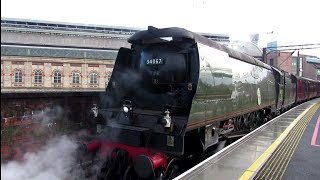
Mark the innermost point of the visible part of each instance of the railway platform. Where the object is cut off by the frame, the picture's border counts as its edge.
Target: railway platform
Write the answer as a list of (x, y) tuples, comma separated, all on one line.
[(287, 147)]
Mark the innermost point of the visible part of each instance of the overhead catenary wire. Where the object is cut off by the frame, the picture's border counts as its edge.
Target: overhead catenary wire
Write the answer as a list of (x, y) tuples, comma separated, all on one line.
[(293, 45), (287, 58), (291, 49)]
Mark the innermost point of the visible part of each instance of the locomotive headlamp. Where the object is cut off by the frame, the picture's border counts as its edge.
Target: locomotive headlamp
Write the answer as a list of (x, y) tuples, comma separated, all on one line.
[(127, 108)]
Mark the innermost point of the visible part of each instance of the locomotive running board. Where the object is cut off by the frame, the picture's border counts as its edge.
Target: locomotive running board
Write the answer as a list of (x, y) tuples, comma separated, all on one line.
[(127, 127)]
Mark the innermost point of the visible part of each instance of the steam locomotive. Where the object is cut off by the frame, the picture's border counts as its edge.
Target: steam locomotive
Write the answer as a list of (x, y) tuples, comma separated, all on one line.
[(174, 94)]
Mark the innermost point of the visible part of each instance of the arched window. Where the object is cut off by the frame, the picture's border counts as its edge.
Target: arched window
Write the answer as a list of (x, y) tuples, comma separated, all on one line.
[(18, 76), (75, 77), (93, 78), (57, 77), (38, 76)]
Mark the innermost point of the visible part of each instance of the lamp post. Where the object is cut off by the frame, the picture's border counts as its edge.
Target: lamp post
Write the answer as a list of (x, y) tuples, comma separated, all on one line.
[(264, 55)]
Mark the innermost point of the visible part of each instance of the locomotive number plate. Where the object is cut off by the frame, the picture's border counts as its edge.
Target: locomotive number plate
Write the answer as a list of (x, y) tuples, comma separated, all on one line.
[(154, 61)]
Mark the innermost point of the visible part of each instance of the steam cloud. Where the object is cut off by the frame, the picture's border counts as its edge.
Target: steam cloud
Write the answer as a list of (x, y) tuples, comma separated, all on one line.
[(53, 162), (56, 160), (50, 115)]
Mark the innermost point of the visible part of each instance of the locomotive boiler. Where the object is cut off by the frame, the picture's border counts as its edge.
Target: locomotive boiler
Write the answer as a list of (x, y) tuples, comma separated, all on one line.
[(171, 96)]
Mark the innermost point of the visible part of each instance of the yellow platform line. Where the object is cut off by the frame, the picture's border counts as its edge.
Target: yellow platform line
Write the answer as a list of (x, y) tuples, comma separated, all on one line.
[(287, 148), (260, 161)]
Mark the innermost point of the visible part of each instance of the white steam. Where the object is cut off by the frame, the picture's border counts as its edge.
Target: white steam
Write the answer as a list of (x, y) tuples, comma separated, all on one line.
[(54, 161), (50, 115)]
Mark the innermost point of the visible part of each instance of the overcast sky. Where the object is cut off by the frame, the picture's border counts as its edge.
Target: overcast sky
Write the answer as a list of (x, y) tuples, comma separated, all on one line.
[(292, 22)]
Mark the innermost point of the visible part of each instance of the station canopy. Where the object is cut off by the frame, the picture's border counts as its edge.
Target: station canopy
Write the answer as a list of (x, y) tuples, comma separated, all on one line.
[(314, 61)]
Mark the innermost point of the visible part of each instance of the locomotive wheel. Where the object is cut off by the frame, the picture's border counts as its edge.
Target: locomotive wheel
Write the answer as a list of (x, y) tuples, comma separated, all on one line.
[(239, 123), (242, 125), (258, 118), (102, 176), (247, 121), (172, 170), (256, 121), (250, 120), (130, 174)]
